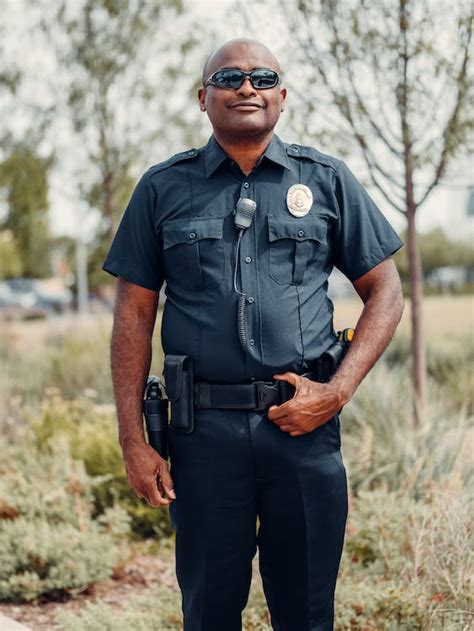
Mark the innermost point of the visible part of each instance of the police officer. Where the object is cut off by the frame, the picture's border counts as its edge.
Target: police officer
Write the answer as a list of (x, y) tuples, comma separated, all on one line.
[(306, 213)]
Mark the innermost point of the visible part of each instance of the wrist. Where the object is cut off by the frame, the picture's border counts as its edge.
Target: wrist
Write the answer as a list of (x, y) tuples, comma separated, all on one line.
[(130, 444), (343, 389)]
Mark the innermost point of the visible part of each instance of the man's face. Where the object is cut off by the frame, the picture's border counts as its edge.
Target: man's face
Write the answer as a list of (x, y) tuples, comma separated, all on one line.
[(244, 112)]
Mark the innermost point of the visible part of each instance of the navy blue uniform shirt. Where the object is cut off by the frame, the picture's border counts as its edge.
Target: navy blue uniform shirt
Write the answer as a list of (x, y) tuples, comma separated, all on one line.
[(179, 228)]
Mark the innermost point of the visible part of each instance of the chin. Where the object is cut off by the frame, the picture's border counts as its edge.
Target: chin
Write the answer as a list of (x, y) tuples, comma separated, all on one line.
[(249, 130)]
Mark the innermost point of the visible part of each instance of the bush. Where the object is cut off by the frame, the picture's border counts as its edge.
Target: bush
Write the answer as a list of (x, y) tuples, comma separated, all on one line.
[(381, 445), (160, 609), (49, 542), (91, 432), (405, 563)]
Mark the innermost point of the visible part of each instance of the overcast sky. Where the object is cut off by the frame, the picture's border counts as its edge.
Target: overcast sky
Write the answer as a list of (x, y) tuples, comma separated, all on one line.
[(445, 207)]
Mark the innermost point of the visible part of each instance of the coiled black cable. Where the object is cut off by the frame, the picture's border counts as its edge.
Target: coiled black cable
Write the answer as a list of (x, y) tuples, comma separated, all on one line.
[(242, 300)]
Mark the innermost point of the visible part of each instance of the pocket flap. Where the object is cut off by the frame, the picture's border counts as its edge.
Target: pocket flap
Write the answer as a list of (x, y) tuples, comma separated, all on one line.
[(191, 230), (281, 228)]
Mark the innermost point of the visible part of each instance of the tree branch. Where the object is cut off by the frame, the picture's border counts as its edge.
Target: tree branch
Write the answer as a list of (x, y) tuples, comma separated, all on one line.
[(452, 124)]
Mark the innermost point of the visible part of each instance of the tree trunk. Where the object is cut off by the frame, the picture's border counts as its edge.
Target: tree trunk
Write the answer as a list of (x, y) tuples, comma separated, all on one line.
[(417, 341), (414, 257), (108, 202)]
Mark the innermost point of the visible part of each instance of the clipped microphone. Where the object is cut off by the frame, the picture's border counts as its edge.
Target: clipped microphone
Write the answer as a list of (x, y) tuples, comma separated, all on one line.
[(243, 213)]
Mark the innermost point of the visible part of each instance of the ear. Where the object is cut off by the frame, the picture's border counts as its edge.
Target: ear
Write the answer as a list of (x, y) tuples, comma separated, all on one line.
[(202, 99), (283, 99)]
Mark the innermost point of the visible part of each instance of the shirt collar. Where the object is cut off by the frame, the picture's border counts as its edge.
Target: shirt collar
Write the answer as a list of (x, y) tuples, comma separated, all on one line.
[(215, 154)]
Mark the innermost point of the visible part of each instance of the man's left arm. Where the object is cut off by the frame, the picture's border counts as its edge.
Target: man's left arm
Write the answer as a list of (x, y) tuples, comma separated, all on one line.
[(315, 403), (381, 292)]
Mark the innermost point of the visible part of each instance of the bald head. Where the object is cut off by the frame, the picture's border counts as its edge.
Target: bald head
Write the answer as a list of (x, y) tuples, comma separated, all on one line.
[(233, 50)]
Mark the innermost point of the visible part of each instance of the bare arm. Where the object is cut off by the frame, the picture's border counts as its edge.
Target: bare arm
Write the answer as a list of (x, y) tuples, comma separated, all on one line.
[(380, 290), (134, 321), (315, 403)]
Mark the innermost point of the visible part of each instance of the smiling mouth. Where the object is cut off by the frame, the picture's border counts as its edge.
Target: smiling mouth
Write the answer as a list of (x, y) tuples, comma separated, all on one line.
[(245, 106), (245, 109)]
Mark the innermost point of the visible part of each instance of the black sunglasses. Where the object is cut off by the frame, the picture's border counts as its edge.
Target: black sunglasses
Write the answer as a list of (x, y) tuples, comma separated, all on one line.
[(232, 78)]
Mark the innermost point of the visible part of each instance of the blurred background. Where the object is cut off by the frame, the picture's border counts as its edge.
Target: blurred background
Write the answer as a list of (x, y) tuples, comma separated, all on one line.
[(92, 93)]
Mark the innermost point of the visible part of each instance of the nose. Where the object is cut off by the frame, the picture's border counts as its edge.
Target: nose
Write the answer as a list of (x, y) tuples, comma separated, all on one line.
[(246, 89)]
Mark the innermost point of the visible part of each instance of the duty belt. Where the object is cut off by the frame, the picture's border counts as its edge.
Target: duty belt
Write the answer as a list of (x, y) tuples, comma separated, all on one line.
[(258, 395)]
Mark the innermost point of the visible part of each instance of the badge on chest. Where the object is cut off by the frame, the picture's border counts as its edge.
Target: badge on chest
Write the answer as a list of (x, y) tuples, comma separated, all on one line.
[(299, 200)]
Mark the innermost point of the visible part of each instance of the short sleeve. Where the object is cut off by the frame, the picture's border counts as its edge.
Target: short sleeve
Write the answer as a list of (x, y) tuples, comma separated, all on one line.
[(135, 251), (364, 237)]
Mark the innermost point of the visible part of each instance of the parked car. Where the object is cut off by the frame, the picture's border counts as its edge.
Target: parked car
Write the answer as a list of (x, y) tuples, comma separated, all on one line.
[(33, 298)]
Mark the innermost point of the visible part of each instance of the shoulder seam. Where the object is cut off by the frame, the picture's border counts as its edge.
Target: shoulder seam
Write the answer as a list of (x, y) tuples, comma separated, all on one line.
[(177, 157), (303, 151)]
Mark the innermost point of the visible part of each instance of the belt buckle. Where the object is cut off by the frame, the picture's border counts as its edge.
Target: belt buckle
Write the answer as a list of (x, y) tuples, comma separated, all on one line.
[(265, 390)]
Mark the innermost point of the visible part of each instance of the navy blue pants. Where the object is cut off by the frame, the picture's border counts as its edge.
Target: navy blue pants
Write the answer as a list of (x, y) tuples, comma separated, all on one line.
[(238, 465)]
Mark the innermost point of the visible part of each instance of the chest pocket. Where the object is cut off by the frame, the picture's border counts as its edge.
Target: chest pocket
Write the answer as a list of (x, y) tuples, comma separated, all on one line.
[(297, 249), (193, 252)]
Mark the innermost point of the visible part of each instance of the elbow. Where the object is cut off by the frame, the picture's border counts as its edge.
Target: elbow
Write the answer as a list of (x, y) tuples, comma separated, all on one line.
[(399, 301)]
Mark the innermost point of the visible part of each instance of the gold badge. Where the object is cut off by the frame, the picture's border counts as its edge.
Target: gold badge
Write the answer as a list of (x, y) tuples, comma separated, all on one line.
[(299, 200)]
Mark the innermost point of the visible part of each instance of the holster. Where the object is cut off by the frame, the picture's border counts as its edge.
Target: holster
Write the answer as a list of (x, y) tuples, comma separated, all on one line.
[(179, 384)]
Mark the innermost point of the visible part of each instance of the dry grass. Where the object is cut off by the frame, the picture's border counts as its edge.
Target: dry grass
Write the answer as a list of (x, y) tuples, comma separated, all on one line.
[(443, 316)]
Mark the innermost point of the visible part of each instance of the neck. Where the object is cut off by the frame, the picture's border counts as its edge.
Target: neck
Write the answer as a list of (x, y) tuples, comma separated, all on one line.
[(244, 151)]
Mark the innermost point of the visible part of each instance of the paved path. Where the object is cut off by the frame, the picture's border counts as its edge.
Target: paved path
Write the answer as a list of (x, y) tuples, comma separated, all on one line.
[(7, 624)]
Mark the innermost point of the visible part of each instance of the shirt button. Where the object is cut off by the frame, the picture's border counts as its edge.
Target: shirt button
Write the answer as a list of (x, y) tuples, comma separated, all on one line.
[(246, 184), (301, 233), (191, 152), (250, 299), (252, 342), (192, 235), (248, 259), (295, 149)]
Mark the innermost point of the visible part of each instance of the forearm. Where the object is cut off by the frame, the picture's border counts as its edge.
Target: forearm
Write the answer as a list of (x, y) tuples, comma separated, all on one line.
[(130, 360), (376, 326)]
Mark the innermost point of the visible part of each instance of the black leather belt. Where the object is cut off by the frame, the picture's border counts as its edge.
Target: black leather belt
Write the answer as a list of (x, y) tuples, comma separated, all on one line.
[(258, 395)]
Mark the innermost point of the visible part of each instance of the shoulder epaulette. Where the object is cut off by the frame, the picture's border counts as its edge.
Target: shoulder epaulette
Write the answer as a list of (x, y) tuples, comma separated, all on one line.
[(303, 151), (178, 157)]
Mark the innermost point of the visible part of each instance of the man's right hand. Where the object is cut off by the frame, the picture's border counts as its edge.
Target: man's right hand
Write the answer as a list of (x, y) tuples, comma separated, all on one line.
[(148, 474)]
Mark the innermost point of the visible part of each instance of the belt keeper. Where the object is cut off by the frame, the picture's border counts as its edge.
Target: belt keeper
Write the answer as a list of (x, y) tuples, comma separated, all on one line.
[(202, 395)]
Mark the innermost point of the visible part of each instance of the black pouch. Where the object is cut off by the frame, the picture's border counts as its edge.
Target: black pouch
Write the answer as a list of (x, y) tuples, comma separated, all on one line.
[(178, 375)]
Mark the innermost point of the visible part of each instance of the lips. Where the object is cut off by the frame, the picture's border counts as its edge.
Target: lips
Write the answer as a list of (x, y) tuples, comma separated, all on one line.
[(243, 105)]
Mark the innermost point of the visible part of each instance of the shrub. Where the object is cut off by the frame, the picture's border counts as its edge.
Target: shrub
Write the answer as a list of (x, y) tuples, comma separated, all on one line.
[(405, 563), (49, 542), (160, 609), (381, 445), (91, 432)]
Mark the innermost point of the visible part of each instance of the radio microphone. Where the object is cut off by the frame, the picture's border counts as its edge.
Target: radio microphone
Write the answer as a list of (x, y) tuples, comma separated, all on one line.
[(243, 213)]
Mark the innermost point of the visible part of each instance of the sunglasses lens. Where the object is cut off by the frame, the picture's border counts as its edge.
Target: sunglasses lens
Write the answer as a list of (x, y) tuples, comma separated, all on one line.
[(262, 79), (232, 78), (228, 78)]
